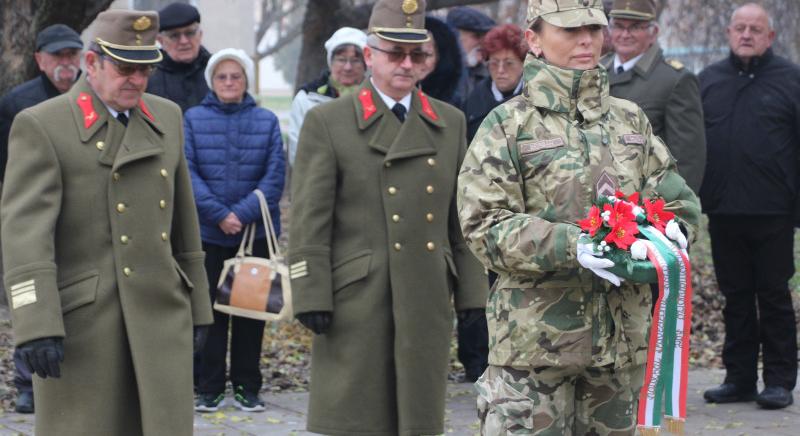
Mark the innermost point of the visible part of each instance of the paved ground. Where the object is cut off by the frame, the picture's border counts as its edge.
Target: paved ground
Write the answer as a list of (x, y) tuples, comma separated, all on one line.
[(285, 415)]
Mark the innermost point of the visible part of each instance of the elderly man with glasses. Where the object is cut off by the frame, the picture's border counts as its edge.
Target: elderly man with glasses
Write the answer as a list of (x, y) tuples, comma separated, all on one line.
[(180, 75), (376, 253), (667, 92), (101, 246)]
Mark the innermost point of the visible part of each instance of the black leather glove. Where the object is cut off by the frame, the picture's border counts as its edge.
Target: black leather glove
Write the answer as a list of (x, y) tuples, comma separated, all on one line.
[(468, 316), (317, 322), (200, 337), (43, 356)]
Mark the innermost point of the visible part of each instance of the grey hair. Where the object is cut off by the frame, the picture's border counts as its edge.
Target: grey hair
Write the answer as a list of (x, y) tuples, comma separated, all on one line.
[(770, 21), (373, 39)]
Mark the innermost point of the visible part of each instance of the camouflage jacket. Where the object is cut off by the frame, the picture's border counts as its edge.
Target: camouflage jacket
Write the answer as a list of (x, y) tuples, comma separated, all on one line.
[(533, 170)]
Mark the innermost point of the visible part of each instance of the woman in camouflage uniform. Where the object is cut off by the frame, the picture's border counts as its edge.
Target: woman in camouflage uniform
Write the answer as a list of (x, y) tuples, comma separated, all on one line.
[(568, 341)]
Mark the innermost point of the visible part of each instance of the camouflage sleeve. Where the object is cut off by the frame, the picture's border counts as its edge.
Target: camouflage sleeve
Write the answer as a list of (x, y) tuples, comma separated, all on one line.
[(662, 179), (491, 207)]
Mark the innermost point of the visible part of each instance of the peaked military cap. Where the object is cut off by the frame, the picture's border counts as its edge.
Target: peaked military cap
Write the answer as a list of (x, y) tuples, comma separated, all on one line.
[(643, 10), (567, 13), (399, 20), (128, 36)]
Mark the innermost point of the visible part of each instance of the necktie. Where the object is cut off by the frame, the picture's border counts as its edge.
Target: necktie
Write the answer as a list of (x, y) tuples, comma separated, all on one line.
[(122, 119), (620, 70), (399, 111)]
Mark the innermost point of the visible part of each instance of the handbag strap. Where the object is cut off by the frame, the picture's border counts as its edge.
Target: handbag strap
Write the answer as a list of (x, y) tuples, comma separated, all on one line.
[(246, 246), (272, 241)]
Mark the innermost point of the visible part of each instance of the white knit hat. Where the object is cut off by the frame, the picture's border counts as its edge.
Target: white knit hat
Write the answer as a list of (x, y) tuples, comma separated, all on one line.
[(345, 35), (233, 54)]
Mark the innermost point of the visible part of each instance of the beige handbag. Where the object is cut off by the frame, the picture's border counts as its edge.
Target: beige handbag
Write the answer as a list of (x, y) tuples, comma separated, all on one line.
[(255, 287)]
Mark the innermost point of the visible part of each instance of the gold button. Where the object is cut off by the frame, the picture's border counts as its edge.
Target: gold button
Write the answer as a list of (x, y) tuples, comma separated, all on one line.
[(163, 172), (163, 236), (429, 189), (100, 145), (124, 239), (116, 176), (162, 204), (396, 218), (429, 217), (392, 190), (430, 246), (121, 207), (387, 164), (431, 161), (397, 246), (127, 271)]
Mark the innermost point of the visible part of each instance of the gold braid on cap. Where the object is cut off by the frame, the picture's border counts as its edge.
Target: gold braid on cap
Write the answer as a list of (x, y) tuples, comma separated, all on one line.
[(105, 45)]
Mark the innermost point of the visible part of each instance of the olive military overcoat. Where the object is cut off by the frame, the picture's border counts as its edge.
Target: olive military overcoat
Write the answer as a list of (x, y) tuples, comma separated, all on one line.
[(669, 94), (375, 239), (101, 247)]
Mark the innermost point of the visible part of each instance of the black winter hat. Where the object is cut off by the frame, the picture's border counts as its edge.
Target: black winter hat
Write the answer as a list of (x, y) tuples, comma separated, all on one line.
[(176, 15), (464, 18)]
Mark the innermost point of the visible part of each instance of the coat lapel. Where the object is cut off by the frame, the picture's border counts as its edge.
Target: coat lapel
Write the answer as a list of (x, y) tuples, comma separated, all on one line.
[(415, 138), (141, 140)]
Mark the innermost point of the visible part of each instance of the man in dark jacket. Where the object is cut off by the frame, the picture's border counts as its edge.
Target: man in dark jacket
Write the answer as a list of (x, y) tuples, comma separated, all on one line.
[(752, 114), (179, 76), (58, 55), (472, 25)]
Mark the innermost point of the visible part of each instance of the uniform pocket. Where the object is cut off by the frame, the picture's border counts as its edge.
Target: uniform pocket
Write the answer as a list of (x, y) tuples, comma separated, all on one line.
[(78, 290), (350, 269), (184, 278), (502, 409)]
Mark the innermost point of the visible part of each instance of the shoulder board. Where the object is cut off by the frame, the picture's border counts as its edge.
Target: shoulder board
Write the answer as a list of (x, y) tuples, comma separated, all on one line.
[(367, 104), (427, 109), (87, 108), (674, 63)]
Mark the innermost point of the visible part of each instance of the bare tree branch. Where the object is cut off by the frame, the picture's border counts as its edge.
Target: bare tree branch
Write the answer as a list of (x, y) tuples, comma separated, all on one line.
[(276, 15), (285, 39)]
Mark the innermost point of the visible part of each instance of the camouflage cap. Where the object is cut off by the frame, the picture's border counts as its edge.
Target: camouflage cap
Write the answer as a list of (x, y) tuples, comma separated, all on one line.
[(399, 20), (567, 13), (643, 10), (128, 36)]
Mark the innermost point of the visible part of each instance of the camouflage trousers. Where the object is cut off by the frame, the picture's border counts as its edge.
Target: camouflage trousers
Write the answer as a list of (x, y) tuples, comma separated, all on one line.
[(559, 401)]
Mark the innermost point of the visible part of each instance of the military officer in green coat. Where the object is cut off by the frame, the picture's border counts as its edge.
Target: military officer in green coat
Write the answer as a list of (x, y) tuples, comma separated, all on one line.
[(668, 93), (376, 254), (101, 247)]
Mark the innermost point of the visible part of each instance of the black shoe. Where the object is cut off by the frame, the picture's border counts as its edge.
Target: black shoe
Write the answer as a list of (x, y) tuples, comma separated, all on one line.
[(24, 402), (209, 402), (472, 374), (729, 393), (774, 397), (247, 401)]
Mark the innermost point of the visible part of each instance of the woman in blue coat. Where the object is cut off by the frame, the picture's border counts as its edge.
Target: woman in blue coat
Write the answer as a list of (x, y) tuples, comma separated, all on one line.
[(233, 147)]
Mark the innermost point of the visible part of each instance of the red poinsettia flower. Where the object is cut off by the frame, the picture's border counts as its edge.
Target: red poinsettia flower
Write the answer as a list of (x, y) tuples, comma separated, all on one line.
[(593, 222), (623, 234), (656, 214), (633, 198), (621, 211)]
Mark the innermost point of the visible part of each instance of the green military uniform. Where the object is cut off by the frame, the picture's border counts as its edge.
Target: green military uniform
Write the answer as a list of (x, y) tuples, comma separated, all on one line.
[(668, 93), (101, 247), (566, 348)]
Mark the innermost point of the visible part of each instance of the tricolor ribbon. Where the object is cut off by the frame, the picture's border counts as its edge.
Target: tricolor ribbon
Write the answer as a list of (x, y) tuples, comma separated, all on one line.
[(666, 372)]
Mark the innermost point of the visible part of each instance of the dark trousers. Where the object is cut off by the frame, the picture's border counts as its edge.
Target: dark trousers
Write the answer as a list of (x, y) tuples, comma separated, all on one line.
[(22, 377), (246, 334), (473, 343), (754, 260)]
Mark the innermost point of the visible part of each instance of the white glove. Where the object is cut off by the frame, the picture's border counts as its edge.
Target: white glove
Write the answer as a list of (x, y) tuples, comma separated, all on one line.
[(587, 258), (673, 231), (639, 250)]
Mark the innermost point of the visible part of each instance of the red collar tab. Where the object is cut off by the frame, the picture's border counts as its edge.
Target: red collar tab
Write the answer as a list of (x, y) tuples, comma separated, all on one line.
[(367, 104), (145, 110), (89, 115), (426, 106)]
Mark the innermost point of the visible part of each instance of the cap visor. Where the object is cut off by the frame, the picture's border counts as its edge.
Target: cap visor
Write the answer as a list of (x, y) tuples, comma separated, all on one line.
[(133, 56), (55, 46), (577, 18), (403, 36), (630, 15)]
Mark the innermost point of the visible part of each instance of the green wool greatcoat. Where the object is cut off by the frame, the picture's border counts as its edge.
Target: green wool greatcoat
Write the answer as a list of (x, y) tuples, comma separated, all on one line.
[(101, 247), (375, 239), (669, 94)]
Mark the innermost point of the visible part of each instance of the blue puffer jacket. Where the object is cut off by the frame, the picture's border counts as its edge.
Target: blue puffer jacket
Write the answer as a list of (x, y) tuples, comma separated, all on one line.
[(233, 149)]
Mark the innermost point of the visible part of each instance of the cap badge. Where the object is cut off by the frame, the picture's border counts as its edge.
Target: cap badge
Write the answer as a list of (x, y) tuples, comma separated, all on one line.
[(409, 6), (141, 23)]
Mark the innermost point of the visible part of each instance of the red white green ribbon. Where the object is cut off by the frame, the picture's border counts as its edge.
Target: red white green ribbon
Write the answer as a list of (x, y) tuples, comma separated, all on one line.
[(666, 372)]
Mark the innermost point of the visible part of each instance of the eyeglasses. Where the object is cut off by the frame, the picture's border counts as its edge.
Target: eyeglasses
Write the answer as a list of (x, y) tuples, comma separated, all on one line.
[(397, 56), (356, 62), (126, 69), (507, 64), (633, 28), (175, 36), (235, 77)]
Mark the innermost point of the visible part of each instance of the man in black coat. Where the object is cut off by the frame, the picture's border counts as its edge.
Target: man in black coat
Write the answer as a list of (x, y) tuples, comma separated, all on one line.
[(58, 54), (180, 75), (751, 103)]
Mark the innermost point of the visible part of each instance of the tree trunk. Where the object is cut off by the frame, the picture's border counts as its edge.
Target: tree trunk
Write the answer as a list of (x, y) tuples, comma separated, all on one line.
[(21, 21)]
